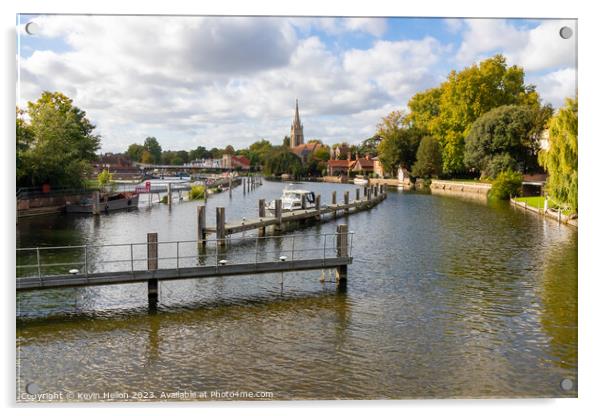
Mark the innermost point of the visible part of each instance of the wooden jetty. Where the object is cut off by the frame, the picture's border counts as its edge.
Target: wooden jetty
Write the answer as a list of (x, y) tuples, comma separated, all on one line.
[(372, 195), (296, 259)]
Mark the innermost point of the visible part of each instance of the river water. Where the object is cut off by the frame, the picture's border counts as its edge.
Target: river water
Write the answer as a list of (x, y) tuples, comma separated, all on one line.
[(445, 298)]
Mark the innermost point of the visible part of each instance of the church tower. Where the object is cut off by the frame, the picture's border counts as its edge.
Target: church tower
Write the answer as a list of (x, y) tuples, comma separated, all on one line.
[(296, 128)]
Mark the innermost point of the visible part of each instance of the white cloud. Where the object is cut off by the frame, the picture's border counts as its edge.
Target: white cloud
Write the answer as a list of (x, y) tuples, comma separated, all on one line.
[(555, 86), (213, 81), (535, 49)]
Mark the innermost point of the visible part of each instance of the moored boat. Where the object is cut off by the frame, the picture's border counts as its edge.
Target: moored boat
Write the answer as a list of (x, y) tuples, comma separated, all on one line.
[(106, 203), (295, 199), (360, 180)]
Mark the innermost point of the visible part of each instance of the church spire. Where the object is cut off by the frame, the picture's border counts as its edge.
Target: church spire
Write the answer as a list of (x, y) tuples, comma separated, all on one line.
[(296, 128)]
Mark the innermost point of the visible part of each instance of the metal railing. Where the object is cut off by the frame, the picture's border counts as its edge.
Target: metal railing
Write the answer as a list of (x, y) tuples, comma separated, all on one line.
[(132, 257)]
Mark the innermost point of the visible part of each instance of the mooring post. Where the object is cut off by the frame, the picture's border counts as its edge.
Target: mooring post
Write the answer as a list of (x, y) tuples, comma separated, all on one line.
[(357, 194), (220, 225), (243, 185), (261, 231), (365, 191), (169, 193), (334, 202), (369, 191), (346, 201), (303, 202), (96, 205), (200, 218), (278, 214), (230, 186), (318, 206), (206, 191), (152, 260), (342, 250)]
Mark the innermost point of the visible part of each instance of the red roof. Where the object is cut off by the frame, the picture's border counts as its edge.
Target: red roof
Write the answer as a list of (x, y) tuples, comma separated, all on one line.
[(241, 160), (340, 163), (365, 163)]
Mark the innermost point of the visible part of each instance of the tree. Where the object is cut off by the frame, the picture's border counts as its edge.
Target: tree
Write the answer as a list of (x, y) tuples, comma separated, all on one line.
[(229, 150), (507, 185), (134, 152), (199, 153), (216, 153), (505, 138), (146, 157), (280, 161), (428, 159), (448, 111), (25, 139), (152, 146), (258, 152), (105, 177), (399, 142), (57, 145), (560, 159), (322, 154), (286, 142)]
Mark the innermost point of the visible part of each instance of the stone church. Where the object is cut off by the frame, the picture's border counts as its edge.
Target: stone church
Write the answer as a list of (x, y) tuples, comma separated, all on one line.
[(296, 128)]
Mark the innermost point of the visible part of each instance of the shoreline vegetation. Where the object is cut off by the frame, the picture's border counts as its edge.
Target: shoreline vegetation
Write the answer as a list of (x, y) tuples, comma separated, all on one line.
[(493, 138)]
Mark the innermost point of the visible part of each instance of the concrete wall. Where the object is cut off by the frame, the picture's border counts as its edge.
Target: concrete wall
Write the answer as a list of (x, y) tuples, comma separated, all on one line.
[(48, 201), (478, 190)]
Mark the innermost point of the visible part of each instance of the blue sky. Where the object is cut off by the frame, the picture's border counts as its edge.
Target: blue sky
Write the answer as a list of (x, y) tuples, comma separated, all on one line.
[(214, 81)]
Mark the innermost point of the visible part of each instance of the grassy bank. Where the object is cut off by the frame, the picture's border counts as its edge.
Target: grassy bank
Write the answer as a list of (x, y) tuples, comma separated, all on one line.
[(539, 202)]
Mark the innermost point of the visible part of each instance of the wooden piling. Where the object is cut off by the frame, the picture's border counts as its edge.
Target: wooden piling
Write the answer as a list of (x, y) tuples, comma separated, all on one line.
[(230, 186), (357, 194), (346, 201), (365, 191), (206, 192), (278, 214), (318, 207), (261, 230), (334, 202), (152, 256), (169, 193), (96, 203), (220, 225), (342, 250), (243, 186), (201, 224)]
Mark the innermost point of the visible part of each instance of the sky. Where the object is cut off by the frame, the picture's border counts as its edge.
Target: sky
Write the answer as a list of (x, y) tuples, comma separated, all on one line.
[(213, 81)]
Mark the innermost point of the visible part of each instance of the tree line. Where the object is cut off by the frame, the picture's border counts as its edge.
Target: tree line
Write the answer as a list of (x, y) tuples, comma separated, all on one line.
[(481, 122)]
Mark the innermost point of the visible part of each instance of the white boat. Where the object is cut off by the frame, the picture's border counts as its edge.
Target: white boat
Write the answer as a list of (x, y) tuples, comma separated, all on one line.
[(294, 200), (360, 180)]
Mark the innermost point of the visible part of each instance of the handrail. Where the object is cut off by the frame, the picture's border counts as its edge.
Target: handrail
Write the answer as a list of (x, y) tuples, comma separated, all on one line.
[(217, 252)]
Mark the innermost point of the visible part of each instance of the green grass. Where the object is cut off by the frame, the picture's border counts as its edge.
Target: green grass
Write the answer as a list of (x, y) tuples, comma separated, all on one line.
[(538, 202)]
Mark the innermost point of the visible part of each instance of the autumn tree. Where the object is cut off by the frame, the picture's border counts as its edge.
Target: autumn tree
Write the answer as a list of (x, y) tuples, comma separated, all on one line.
[(448, 111), (560, 159)]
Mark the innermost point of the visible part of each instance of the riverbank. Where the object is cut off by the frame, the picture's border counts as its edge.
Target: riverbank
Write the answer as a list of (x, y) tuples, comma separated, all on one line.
[(538, 208)]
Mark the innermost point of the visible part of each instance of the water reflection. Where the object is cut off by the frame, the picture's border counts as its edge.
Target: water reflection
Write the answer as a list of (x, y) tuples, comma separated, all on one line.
[(445, 298)]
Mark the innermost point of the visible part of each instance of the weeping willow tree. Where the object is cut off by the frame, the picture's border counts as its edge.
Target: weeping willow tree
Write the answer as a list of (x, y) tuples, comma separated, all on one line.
[(560, 159)]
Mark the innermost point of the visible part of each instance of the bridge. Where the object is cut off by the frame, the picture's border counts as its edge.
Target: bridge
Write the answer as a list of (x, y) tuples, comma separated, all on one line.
[(154, 261)]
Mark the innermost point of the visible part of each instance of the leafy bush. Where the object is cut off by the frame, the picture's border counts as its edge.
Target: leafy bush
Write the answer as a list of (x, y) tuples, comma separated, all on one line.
[(197, 192), (428, 159), (506, 185)]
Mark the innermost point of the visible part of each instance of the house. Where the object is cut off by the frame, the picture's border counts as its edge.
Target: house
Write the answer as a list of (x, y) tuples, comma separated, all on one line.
[(235, 162), (363, 166), (305, 151), (340, 167)]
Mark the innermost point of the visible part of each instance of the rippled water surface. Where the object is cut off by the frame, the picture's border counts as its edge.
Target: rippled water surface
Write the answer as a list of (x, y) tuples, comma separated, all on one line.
[(446, 298)]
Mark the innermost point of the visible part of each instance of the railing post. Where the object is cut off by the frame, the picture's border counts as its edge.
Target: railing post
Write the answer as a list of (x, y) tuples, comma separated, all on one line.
[(152, 250), (342, 251), (261, 231), (39, 266), (220, 225), (201, 224)]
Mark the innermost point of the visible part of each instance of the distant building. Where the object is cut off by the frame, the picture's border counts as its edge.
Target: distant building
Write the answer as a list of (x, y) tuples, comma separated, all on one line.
[(305, 151), (364, 165), (339, 167), (296, 129), (235, 162)]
